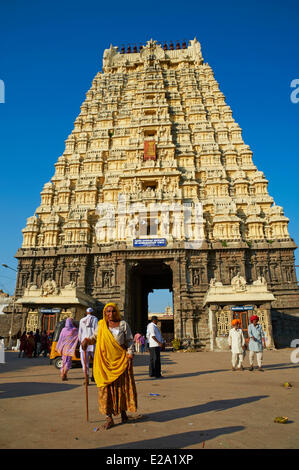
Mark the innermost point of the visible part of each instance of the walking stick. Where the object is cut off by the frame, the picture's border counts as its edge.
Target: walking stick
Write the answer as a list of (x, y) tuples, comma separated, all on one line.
[(86, 392)]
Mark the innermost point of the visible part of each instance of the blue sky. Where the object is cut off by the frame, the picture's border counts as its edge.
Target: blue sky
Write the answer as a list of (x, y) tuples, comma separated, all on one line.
[(50, 52)]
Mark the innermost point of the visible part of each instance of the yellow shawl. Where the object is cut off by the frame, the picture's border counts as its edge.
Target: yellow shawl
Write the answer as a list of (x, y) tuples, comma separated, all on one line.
[(110, 359)]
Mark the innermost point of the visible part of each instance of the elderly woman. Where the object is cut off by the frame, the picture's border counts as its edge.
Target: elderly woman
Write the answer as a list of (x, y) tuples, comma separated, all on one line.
[(66, 346), (113, 365)]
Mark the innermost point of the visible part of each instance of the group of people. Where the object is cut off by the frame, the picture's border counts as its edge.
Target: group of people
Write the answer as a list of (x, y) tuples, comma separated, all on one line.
[(140, 342), (238, 344), (33, 345), (68, 340), (110, 343)]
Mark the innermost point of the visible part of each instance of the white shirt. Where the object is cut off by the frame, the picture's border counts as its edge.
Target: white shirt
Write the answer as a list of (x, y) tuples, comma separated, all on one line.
[(87, 327), (153, 330), (236, 340), (123, 336), (115, 332)]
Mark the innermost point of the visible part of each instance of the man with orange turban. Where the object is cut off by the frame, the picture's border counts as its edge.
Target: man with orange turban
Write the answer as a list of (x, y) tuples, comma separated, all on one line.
[(112, 367), (236, 343), (256, 342)]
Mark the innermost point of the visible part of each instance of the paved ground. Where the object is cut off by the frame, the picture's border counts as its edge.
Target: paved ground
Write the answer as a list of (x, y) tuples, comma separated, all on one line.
[(201, 403)]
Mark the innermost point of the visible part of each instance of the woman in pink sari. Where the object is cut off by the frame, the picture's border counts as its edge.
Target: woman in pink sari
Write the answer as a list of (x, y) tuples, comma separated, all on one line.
[(66, 346)]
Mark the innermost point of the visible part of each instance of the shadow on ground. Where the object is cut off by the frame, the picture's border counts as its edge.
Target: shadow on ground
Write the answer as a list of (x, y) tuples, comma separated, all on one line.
[(13, 362), (181, 376), (143, 359), (22, 389), (283, 365), (217, 405), (178, 441)]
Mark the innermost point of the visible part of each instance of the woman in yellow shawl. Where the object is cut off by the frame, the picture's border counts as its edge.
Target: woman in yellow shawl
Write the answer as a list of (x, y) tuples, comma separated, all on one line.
[(113, 365)]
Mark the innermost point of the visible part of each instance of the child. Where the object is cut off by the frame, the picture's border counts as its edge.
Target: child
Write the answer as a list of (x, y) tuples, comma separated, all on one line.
[(142, 342), (236, 343)]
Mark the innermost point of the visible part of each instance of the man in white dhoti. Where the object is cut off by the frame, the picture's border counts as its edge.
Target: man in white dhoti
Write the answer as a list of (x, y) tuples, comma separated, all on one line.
[(87, 327), (2, 351), (236, 343)]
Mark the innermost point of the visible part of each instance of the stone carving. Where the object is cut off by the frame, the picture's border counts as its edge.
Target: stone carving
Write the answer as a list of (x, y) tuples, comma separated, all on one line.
[(71, 285), (49, 287), (152, 51), (122, 226), (132, 227), (106, 279), (32, 287), (215, 283), (105, 227), (196, 279), (223, 322), (238, 283), (261, 281), (164, 229)]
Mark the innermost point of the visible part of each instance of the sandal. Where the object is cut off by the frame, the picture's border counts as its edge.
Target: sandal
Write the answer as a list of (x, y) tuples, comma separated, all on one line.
[(108, 424)]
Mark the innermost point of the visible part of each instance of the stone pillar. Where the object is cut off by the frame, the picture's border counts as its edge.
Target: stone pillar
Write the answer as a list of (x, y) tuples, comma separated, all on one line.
[(270, 343), (211, 312), (219, 274), (40, 320), (176, 293), (57, 315), (83, 267), (24, 319)]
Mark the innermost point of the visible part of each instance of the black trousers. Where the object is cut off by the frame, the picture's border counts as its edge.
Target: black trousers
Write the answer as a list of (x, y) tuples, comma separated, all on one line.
[(155, 362)]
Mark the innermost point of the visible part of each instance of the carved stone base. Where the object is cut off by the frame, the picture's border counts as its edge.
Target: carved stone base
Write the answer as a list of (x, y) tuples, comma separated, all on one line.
[(126, 276)]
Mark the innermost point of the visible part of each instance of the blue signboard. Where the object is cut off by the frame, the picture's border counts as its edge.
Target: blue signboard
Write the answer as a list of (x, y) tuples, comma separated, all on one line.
[(242, 308), (148, 242), (50, 310)]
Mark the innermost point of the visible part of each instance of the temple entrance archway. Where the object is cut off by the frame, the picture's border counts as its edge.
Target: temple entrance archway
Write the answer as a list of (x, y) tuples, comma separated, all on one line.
[(143, 277)]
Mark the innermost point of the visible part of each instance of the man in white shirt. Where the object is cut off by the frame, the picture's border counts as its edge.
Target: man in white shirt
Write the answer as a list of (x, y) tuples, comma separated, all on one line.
[(236, 343), (257, 342), (87, 327), (156, 341)]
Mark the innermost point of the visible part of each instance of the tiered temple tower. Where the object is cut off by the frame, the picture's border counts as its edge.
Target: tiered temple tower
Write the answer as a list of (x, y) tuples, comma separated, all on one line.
[(155, 131)]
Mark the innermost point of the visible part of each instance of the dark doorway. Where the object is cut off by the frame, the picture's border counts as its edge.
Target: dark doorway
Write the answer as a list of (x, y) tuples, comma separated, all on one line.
[(243, 317), (143, 277), (160, 303)]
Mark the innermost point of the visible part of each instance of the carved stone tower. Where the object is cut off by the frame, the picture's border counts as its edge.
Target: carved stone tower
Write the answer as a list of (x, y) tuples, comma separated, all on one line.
[(157, 189)]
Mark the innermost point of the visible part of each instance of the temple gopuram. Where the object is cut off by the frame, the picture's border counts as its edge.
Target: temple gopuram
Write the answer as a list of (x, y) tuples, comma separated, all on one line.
[(156, 189)]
